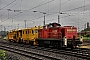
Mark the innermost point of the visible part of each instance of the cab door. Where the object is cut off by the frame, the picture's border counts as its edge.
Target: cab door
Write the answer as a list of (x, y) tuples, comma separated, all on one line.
[(63, 32), (32, 34), (27, 34), (20, 32)]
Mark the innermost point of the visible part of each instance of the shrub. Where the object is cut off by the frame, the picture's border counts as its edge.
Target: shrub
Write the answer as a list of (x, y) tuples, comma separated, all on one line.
[(2, 55)]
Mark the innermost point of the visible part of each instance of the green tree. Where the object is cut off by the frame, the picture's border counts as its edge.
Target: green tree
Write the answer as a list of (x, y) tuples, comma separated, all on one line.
[(87, 29), (87, 35)]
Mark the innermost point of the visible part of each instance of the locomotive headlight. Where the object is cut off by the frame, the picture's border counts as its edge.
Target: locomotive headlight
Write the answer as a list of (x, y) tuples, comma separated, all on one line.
[(81, 39), (65, 41)]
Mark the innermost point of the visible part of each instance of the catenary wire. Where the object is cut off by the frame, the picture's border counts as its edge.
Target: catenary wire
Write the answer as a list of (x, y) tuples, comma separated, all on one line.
[(7, 5), (34, 7)]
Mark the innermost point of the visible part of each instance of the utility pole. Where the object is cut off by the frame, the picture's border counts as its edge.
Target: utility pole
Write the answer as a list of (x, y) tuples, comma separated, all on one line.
[(85, 26), (25, 23), (59, 11), (1, 17), (4, 31), (1, 29), (58, 19), (44, 18), (44, 15), (18, 26), (8, 12), (0, 4)]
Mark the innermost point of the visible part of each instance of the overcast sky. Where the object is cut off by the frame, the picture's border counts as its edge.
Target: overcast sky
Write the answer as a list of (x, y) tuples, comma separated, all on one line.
[(13, 13)]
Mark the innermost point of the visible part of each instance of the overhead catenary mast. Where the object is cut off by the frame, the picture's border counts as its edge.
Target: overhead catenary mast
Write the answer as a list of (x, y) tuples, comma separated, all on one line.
[(25, 23), (59, 11)]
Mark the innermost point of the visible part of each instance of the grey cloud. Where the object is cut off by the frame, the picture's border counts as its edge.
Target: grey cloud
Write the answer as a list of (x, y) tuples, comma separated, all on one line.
[(49, 8)]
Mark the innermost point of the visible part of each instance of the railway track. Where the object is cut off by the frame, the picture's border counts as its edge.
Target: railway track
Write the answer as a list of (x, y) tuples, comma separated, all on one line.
[(48, 53), (29, 53), (78, 52)]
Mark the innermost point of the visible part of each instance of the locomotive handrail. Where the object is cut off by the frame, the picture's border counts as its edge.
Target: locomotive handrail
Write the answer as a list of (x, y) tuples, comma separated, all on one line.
[(51, 35), (55, 35)]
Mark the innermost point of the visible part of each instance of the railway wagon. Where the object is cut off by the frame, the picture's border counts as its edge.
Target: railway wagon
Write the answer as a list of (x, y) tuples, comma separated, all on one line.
[(11, 35), (55, 35), (30, 34), (14, 35), (26, 35)]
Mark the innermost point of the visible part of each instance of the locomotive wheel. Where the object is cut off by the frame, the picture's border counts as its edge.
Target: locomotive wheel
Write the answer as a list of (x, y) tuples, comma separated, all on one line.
[(31, 42), (46, 45), (22, 41), (10, 40), (26, 42), (19, 41), (14, 41), (71, 46), (40, 43)]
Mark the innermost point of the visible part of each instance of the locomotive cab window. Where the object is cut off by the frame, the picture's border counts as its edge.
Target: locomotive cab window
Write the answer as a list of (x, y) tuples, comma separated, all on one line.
[(57, 26), (32, 31), (23, 32), (50, 26), (26, 32)]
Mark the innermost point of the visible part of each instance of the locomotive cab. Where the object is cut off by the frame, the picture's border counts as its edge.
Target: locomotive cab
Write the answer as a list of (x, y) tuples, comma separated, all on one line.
[(63, 33)]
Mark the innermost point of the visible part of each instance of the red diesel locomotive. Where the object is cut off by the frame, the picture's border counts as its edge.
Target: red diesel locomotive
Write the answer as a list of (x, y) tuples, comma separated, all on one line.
[(59, 36)]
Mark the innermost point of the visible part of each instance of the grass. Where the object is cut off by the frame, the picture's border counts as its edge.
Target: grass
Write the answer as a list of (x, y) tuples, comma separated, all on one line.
[(86, 38), (3, 55)]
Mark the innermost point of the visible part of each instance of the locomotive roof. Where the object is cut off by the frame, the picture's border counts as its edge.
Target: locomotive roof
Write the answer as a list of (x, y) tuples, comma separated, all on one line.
[(68, 27), (52, 24)]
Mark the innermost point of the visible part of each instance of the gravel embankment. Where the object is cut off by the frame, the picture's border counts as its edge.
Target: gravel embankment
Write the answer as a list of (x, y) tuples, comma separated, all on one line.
[(14, 56)]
